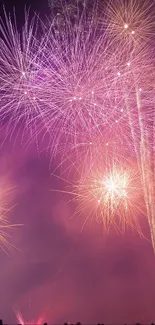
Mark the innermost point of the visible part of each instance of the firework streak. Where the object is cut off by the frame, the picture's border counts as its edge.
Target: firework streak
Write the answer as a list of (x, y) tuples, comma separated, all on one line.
[(85, 78)]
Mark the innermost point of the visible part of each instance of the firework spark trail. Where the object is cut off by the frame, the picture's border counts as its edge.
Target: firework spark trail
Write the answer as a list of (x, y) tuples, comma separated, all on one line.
[(141, 17), (72, 83), (86, 114), (146, 113), (147, 174), (144, 153), (83, 81), (5, 225), (54, 79), (121, 125), (109, 76), (20, 319), (20, 68), (130, 25), (139, 132)]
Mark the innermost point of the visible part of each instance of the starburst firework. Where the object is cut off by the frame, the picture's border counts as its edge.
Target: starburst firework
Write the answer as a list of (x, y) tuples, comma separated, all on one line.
[(89, 84), (111, 193)]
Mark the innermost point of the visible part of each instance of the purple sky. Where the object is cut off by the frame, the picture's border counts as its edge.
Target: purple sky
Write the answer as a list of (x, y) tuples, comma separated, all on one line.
[(60, 272)]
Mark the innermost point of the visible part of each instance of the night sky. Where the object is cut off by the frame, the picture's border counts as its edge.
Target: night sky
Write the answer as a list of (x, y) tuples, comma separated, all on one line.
[(60, 272), (37, 6)]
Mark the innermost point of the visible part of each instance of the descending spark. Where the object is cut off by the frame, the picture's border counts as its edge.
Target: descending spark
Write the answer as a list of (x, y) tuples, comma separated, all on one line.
[(5, 225)]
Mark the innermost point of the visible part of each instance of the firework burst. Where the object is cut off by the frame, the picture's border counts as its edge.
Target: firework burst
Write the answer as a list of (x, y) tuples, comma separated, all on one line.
[(20, 71), (131, 22), (90, 86), (123, 94), (111, 193)]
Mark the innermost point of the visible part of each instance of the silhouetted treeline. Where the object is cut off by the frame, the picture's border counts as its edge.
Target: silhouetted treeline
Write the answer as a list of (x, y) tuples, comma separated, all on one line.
[(78, 323)]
